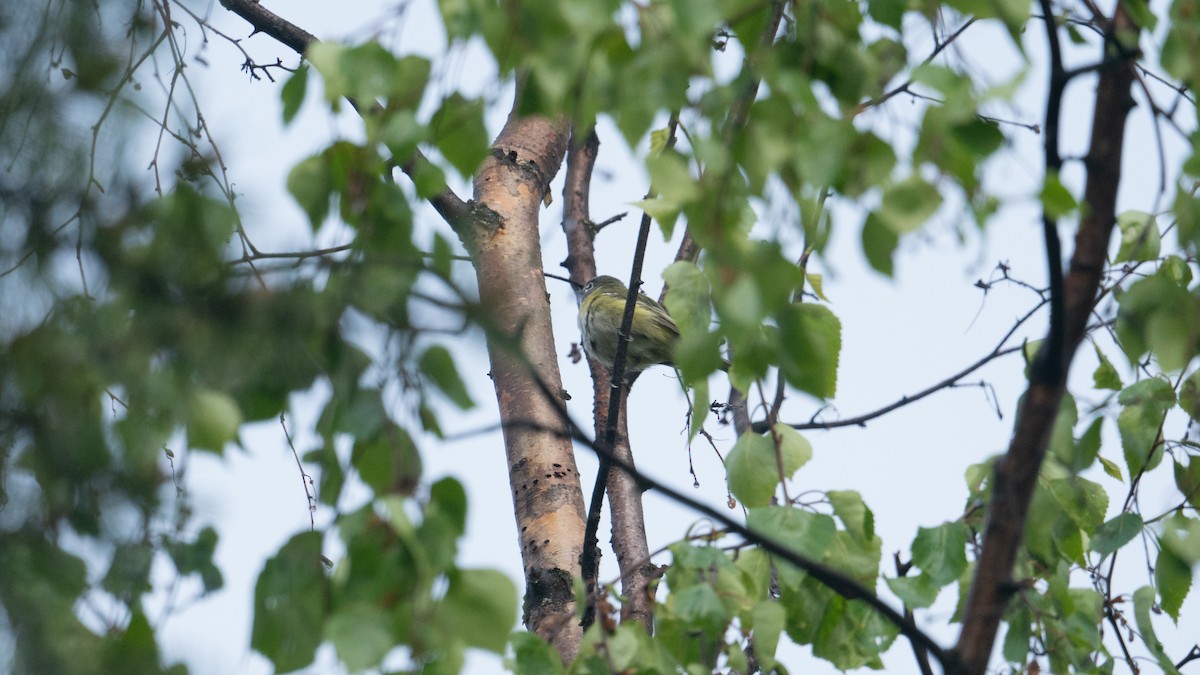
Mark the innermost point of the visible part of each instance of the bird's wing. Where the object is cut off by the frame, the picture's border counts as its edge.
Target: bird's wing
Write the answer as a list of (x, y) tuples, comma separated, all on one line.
[(660, 318)]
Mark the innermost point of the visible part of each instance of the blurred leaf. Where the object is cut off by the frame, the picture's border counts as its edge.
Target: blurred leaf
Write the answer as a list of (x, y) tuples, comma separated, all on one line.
[(480, 608), (213, 419), (908, 204), (311, 186), (1173, 577), (807, 533), (915, 592), (290, 604), (1115, 533), (753, 468), (1145, 407), (1140, 239), (767, 618), (811, 337), (459, 133), (940, 552), (849, 507), (1105, 376), (1143, 600), (1187, 479), (438, 365), (531, 655), (1057, 200), (361, 634), (1189, 395), (292, 93), (1157, 314), (879, 244)]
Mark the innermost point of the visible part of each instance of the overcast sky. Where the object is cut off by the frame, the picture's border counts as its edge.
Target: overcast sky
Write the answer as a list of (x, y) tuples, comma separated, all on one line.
[(899, 336)]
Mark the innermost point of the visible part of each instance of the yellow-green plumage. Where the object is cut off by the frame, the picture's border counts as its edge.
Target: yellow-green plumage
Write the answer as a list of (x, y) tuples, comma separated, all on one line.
[(601, 307)]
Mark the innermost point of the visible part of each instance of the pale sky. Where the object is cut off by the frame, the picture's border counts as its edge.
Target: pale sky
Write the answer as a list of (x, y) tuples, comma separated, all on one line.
[(899, 336)]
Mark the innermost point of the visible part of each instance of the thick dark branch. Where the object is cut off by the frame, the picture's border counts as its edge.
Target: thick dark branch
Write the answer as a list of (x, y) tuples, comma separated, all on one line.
[(1050, 357), (1016, 473), (265, 21)]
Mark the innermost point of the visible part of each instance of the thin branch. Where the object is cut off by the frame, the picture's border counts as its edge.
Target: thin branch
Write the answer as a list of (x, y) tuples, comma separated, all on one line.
[(619, 384), (861, 420), (305, 478), (938, 47), (450, 206)]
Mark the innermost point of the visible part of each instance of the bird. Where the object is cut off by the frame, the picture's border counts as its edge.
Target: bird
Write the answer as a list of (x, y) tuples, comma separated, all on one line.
[(601, 308)]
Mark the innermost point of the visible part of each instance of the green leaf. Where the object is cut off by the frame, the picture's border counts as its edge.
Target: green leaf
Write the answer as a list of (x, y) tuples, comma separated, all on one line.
[(311, 186), (1143, 600), (767, 619), (128, 575), (1057, 200), (1186, 207), (213, 419), (700, 607), (290, 604), (753, 468), (531, 655), (879, 244), (369, 72), (804, 532), (688, 298), (915, 591), (1140, 240), (1105, 376), (811, 337), (850, 508), (1181, 534), (673, 183), (940, 551), (1081, 499), (1111, 468), (1187, 479), (795, 448), (1173, 577), (1183, 35), (480, 607), (1117, 532), (1145, 407), (387, 461), (887, 12), (459, 133), (1189, 395), (133, 650), (1087, 448), (362, 635), (402, 132), (1159, 315), (197, 558), (908, 204), (292, 93), (856, 638), (438, 365)]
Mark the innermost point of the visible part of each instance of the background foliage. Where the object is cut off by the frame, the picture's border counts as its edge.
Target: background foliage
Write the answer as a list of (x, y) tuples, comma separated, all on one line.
[(142, 325)]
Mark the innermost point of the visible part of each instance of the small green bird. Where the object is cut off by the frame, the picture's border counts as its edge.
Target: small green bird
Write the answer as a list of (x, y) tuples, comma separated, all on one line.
[(601, 307)]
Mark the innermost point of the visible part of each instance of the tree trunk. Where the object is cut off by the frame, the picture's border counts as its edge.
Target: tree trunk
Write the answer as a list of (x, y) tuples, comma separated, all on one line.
[(506, 249)]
